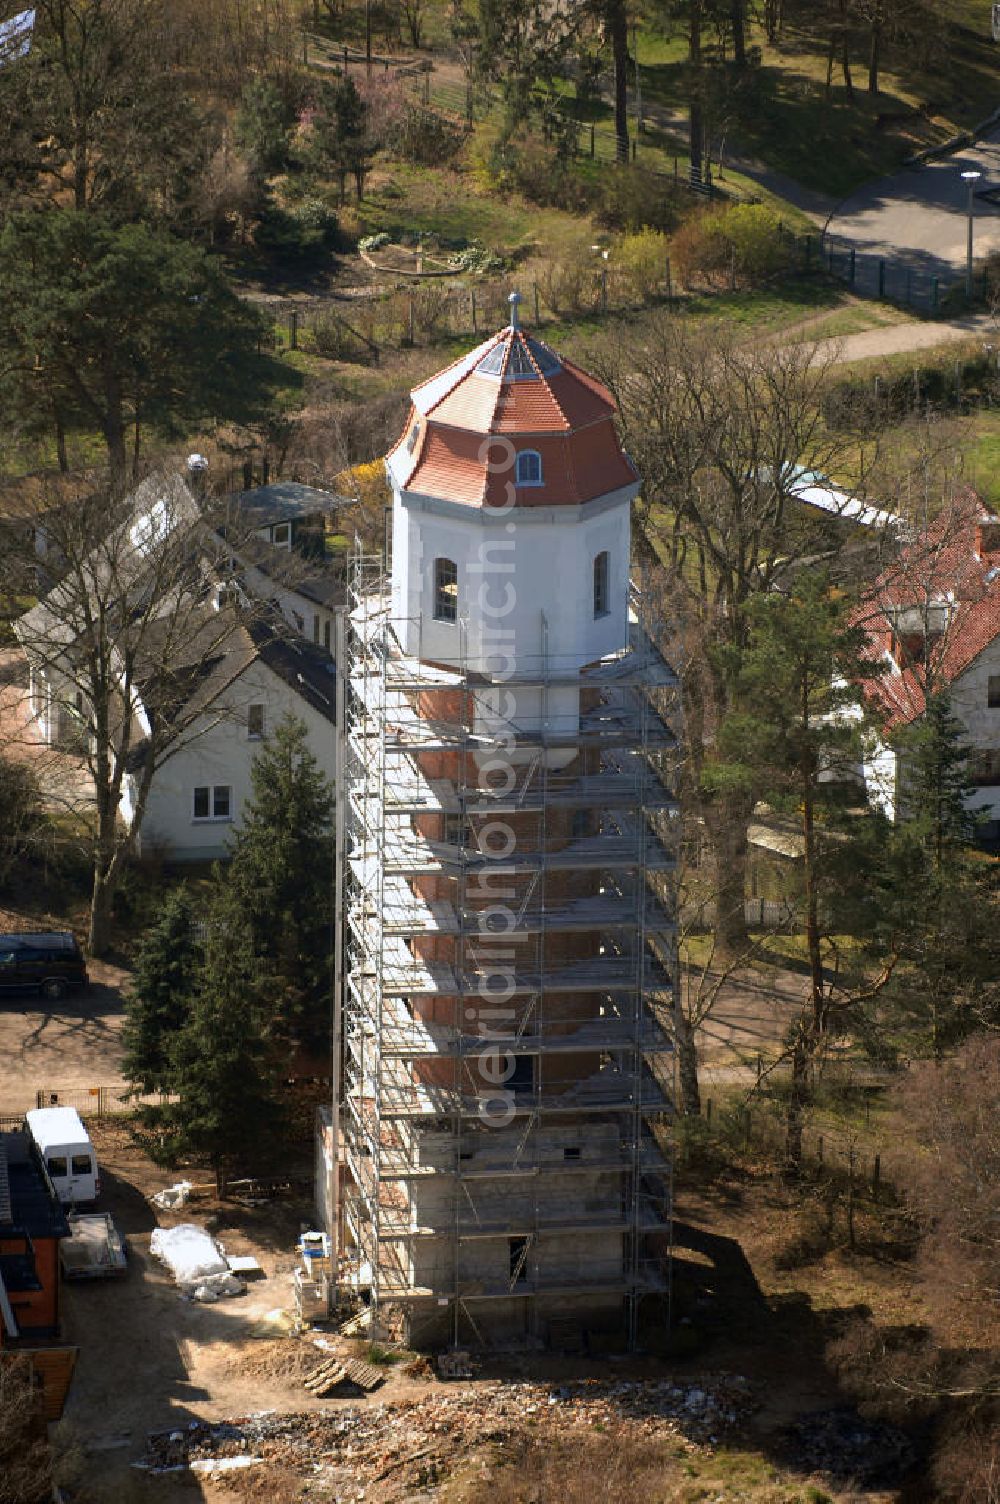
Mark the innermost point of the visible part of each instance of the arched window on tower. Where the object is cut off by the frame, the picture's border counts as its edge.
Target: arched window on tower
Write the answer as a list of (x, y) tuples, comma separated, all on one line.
[(445, 590), (602, 584), (529, 468)]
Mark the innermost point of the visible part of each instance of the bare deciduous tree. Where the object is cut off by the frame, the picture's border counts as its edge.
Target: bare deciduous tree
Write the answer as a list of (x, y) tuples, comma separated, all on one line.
[(25, 1475), (725, 434), (415, 15), (135, 648)]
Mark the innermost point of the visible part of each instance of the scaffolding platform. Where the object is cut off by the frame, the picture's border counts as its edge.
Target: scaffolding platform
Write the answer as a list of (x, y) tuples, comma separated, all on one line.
[(440, 1191)]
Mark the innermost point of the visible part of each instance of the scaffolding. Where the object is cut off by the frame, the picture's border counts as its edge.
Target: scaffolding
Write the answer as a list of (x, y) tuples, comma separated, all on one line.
[(507, 1076)]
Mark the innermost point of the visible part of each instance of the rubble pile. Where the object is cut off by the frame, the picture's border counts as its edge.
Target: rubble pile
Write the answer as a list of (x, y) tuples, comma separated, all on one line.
[(383, 1451), (285, 1357)]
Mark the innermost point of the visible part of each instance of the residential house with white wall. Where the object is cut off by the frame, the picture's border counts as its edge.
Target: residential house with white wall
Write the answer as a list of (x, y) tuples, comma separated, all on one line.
[(224, 671)]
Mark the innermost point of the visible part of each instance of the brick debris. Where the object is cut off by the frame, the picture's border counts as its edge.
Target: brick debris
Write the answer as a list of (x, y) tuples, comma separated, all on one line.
[(383, 1451)]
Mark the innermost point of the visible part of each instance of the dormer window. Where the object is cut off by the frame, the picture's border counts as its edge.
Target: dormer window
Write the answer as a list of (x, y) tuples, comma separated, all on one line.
[(529, 468), (602, 581), (445, 590), (917, 630)]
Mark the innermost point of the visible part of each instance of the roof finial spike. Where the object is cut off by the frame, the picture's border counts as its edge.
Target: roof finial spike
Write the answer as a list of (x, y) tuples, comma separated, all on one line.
[(514, 301)]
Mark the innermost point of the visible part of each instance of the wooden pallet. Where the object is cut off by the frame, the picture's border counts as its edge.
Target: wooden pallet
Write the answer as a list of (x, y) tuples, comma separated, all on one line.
[(330, 1375), (364, 1373)]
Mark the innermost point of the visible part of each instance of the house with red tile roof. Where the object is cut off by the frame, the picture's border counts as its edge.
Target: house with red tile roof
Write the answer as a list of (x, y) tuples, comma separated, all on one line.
[(933, 618)]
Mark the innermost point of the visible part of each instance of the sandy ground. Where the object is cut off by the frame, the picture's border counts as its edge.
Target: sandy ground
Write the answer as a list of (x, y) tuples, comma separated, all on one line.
[(69, 1048), (150, 1360)]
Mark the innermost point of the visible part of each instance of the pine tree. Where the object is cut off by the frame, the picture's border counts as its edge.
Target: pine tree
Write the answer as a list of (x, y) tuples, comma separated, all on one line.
[(338, 140), (282, 876), (166, 974), (940, 896), (796, 741), (224, 1059)]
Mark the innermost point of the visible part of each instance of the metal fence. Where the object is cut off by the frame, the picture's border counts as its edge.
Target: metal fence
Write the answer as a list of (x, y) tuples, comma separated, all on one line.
[(97, 1101), (428, 311), (893, 279)]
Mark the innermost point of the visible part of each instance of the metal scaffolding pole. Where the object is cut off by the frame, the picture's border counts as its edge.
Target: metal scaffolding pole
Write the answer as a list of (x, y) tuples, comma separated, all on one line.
[(438, 1212)]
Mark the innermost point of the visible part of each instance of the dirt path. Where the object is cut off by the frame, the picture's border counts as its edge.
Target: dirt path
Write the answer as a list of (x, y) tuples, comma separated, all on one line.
[(750, 1018), (900, 339)]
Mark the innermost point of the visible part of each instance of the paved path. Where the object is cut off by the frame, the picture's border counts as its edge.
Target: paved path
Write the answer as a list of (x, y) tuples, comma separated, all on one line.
[(919, 216), (899, 339)]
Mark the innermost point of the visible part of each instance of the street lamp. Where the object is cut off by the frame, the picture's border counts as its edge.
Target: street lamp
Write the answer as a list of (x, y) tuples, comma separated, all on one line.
[(972, 178)]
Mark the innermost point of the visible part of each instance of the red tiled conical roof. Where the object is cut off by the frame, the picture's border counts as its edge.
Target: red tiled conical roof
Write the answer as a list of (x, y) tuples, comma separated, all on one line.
[(517, 390)]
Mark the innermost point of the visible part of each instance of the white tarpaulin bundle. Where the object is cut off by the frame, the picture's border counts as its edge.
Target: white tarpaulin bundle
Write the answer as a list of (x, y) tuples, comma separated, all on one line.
[(195, 1260), (173, 1195)]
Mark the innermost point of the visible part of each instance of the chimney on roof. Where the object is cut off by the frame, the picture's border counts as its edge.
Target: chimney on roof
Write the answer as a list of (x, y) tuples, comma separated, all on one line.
[(514, 301), (988, 535)]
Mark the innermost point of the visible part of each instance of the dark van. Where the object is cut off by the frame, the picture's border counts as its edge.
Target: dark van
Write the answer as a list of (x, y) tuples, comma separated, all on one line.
[(48, 963)]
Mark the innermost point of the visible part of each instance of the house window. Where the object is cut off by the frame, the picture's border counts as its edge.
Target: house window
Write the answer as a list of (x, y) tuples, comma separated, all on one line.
[(255, 722), (281, 535), (316, 629), (213, 802), (529, 468), (572, 1152), (326, 634), (601, 584), (445, 590), (984, 767), (411, 442), (993, 692)]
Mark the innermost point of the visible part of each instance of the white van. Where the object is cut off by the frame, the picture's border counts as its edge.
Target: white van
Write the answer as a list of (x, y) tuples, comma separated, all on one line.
[(69, 1155)]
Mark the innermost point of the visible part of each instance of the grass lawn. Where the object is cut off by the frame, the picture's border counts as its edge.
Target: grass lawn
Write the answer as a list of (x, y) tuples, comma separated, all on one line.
[(977, 440), (853, 318), (402, 199)]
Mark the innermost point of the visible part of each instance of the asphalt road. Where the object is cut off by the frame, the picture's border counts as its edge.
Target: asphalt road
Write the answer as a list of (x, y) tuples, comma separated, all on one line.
[(920, 216)]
